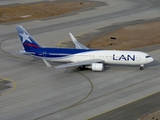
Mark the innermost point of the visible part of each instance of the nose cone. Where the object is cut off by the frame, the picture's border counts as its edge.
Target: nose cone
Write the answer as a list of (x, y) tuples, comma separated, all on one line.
[(150, 59)]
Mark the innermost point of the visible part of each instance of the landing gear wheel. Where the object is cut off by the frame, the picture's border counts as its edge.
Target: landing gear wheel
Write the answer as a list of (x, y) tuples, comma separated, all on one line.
[(141, 67), (81, 68)]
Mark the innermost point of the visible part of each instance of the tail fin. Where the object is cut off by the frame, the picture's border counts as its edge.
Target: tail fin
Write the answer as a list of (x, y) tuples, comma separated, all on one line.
[(26, 39)]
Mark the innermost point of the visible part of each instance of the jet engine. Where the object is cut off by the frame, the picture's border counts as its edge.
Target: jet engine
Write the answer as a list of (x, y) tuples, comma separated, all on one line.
[(97, 66)]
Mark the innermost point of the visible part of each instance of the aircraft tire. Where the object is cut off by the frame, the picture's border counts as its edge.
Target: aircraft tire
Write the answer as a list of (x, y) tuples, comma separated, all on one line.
[(142, 67)]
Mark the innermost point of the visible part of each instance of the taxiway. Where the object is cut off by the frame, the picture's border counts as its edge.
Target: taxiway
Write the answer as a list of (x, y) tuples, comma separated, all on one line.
[(42, 93)]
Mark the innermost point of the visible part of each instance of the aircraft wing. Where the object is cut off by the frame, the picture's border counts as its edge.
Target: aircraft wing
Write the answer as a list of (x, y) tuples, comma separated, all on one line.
[(85, 62), (77, 44)]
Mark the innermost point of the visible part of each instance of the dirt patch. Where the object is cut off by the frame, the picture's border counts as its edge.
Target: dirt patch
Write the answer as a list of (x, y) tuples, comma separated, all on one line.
[(5, 85), (129, 37), (39, 10), (152, 116), (126, 38)]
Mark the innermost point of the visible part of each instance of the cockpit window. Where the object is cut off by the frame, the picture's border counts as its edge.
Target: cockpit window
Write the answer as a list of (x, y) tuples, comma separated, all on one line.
[(148, 56)]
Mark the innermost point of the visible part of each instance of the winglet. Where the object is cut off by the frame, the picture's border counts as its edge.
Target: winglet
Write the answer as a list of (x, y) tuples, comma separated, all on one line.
[(77, 44), (47, 63)]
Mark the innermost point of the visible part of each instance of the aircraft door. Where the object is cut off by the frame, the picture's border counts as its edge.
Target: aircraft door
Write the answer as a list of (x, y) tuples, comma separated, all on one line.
[(138, 58)]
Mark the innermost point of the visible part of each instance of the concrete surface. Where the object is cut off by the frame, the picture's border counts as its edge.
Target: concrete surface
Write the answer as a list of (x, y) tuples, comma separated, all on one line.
[(55, 94)]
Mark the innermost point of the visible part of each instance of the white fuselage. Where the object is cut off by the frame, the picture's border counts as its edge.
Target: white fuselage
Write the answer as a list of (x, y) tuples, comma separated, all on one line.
[(109, 57)]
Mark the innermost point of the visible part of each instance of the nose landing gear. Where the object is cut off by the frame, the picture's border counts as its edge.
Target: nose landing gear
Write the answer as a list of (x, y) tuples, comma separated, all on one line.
[(141, 67)]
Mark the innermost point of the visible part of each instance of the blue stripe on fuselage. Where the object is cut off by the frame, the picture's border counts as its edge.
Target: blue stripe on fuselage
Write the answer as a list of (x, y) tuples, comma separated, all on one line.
[(57, 52)]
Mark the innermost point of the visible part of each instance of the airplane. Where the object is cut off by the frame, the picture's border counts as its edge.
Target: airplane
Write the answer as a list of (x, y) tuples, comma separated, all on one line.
[(81, 57)]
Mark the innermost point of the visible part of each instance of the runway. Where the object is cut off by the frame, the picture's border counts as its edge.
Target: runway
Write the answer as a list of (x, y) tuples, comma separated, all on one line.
[(42, 93)]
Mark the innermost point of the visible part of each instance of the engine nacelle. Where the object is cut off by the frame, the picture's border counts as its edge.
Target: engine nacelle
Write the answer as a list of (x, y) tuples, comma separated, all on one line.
[(97, 66)]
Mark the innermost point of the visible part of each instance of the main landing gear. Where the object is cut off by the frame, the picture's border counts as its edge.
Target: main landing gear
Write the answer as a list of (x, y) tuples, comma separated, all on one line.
[(141, 67), (81, 68)]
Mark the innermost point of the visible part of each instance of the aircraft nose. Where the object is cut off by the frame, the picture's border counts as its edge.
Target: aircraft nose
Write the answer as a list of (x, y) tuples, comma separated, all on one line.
[(151, 59)]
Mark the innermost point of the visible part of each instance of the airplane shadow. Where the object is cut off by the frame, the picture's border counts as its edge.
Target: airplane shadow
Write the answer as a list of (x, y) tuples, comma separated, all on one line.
[(152, 64), (107, 66)]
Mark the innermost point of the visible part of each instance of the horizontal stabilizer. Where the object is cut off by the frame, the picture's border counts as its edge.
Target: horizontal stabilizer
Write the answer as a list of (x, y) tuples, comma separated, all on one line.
[(47, 63), (24, 53)]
